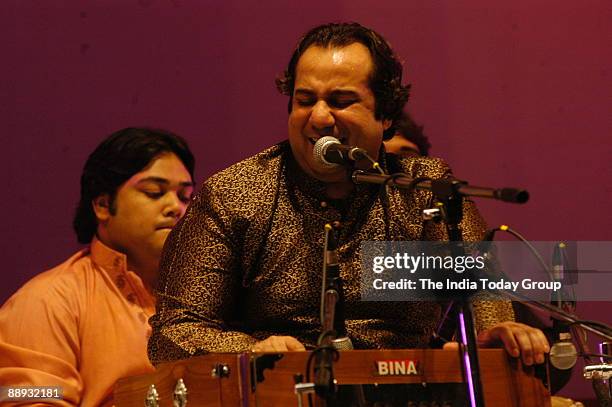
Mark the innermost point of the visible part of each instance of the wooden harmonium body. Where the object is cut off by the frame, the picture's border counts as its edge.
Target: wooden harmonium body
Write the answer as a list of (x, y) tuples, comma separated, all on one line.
[(368, 378)]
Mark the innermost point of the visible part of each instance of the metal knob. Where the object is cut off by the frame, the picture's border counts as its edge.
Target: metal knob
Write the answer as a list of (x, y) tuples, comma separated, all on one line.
[(220, 370), (180, 394), (434, 214), (605, 348), (152, 399)]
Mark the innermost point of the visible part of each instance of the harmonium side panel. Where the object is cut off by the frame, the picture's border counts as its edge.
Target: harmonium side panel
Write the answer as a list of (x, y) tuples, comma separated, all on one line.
[(204, 388)]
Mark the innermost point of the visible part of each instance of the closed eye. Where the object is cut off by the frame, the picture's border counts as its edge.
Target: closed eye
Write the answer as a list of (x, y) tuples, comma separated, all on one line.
[(342, 99), (341, 103), (305, 101), (154, 195), (304, 97), (185, 198)]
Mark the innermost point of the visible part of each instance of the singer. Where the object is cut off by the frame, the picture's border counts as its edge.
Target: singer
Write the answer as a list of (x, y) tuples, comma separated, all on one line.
[(242, 270)]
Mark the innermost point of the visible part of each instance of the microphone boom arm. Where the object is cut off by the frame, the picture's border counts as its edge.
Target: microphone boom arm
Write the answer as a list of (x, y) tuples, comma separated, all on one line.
[(403, 181)]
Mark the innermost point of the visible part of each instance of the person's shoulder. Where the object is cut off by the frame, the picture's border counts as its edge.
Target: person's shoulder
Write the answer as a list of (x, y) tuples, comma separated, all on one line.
[(247, 185), (258, 167), (418, 166), (54, 298), (59, 282)]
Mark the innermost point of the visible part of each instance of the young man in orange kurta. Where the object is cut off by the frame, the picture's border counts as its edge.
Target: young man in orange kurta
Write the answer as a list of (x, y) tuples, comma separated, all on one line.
[(84, 324)]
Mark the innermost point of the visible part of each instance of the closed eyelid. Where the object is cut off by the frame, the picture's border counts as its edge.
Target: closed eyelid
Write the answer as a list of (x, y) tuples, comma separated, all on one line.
[(303, 92), (305, 97), (343, 101), (189, 188), (152, 189), (184, 194)]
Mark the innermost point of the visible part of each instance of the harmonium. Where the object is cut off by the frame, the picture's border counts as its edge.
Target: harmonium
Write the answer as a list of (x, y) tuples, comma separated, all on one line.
[(362, 378)]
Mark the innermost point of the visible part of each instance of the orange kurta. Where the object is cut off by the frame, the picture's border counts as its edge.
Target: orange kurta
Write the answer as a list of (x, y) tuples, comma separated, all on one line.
[(81, 326)]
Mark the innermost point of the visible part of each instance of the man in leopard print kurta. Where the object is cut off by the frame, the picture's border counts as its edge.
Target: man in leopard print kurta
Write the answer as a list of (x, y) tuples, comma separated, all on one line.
[(242, 270)]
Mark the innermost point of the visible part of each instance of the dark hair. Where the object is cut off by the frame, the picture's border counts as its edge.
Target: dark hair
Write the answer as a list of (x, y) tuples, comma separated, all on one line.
[(114, 161), (407, 128), (385, 79)]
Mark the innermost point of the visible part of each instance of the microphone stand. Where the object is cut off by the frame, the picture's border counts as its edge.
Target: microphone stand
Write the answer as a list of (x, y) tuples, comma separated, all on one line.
[(331, 313), (450, 193), (446, 187), (447, 192)]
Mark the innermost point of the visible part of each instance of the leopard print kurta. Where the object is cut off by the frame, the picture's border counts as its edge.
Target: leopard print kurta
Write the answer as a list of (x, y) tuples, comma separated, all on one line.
[(245, 262)]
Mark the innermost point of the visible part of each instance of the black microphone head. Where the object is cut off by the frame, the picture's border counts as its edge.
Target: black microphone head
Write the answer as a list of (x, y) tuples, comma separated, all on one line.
[(323, 157), (513, 195)]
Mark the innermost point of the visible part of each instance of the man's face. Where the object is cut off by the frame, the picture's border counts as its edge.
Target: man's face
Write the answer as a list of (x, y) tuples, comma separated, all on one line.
[(146, 207), (332, 97)]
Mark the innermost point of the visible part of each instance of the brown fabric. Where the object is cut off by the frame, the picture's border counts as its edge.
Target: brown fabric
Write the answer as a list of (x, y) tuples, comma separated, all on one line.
[(245, 261)]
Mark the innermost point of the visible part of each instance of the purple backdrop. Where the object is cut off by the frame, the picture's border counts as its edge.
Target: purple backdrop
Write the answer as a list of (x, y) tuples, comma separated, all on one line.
[(510, 94)]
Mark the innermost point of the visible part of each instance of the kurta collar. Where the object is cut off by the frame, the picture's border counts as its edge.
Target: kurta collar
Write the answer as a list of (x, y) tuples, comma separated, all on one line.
[(128, 282)]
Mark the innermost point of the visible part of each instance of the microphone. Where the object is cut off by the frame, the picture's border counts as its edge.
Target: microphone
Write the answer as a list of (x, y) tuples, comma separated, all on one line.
[(329, 152), (563, 354)]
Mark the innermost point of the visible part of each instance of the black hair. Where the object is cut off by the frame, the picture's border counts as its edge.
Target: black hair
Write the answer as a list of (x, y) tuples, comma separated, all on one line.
[(406, 127), (120, 156), (386, 76)]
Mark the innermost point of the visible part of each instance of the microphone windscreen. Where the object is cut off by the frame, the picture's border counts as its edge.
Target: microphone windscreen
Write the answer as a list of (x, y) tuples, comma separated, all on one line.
[(325, 158), (563, 355), (342, 343)]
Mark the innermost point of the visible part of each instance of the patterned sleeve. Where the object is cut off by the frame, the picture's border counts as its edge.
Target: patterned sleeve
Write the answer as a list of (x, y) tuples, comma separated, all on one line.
[(199, 278), (488, 311)]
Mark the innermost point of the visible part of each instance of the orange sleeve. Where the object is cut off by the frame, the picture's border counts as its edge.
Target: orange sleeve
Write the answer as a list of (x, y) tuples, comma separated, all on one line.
[(39, 341)]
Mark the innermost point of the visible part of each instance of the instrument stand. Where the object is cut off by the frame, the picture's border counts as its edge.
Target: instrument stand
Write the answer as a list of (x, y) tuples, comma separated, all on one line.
[(332, 322), (446, 191)]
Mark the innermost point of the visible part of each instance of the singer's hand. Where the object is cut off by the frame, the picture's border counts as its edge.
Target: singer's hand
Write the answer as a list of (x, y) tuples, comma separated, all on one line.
[(278, 344), (518, 339)]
